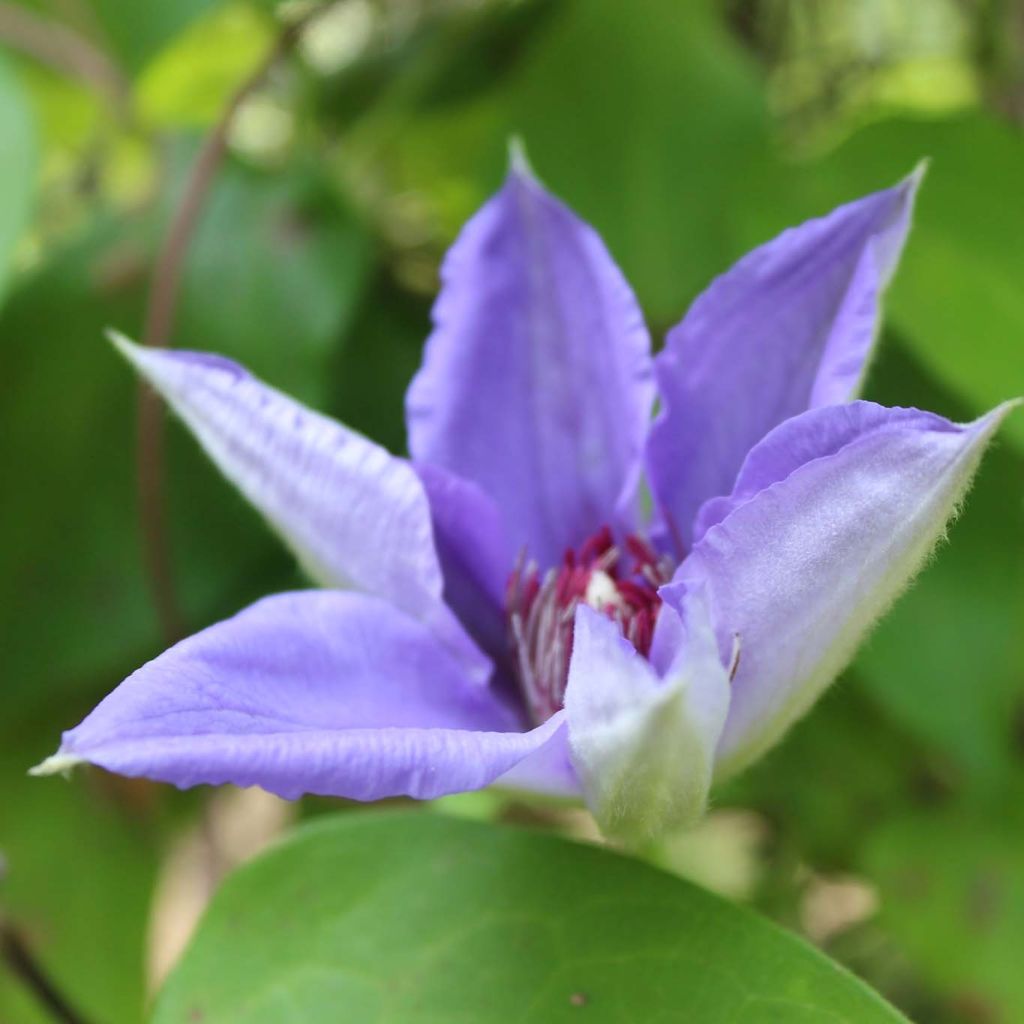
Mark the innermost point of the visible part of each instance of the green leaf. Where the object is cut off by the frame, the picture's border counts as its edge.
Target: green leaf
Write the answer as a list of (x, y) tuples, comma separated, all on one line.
[(412, 917), (18, 158)]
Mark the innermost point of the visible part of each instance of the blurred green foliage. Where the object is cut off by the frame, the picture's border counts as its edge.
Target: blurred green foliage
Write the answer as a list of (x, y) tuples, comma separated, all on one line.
[(686, 134), (18, 158)]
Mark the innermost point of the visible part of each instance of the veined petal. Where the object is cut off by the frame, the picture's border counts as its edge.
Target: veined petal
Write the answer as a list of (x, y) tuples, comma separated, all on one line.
[(800, 568), (354, 515), (536, 382), (322, 692), (643, 744), (788, 328)]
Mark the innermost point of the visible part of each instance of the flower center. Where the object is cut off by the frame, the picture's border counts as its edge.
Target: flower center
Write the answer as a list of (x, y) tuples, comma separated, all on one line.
[(622, 582)]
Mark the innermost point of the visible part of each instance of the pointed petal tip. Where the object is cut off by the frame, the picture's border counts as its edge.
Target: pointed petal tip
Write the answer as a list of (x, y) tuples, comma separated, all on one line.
[(820, 335), (1001, 411), (912, 182), (987, 424), (907, 189), (56, 764), (144, 359), (122, 343), (518, 162), (535, 319), (255, 700), (155, 362), (903, 196)]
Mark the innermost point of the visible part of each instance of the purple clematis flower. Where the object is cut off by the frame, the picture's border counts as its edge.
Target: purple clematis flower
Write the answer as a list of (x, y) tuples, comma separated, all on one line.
[(499, 608)]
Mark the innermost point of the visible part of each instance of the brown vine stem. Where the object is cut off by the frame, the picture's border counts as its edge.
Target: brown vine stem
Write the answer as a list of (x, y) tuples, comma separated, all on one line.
[(24, 966), (163, 295)]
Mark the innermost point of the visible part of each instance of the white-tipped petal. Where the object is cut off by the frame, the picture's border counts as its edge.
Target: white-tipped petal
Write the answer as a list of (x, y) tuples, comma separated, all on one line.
[(57, 764), (643, 744)]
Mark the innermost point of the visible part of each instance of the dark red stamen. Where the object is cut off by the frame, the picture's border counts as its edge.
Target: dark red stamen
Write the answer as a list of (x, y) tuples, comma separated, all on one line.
[(541, 609), (597, 545), (641, 551)]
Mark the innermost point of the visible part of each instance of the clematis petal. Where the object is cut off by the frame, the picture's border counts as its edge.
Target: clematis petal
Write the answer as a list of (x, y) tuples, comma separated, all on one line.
[(322, 692), (814, 435), (833, 515), (476, 556), (643, 744), (549, 771), (536, 382), (354, 515), (788, 328)]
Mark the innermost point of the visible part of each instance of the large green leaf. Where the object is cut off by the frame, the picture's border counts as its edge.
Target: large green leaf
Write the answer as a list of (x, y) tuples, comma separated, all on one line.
[(410, 917)]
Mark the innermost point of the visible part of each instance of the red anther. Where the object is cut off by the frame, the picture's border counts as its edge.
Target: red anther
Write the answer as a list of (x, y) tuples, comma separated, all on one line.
[(530, 590), (596, 545), (637, 595), (562, 585), (641, 551), (571, 583)]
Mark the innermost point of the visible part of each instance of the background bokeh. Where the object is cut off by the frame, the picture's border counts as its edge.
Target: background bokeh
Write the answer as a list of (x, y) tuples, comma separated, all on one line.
[(889, 827)]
